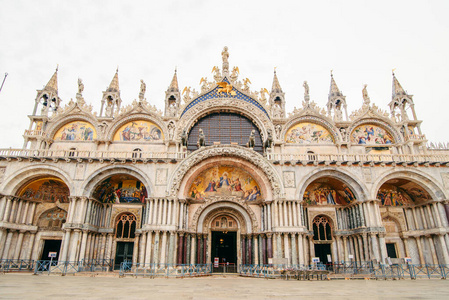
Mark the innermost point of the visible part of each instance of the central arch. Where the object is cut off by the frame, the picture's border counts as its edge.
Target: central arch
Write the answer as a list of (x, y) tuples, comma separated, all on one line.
[(260, 166)]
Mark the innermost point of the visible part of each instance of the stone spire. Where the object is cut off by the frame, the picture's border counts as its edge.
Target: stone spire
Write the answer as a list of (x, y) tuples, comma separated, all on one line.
[(401, 102), (277, 98), (276, 87), (172, 97), (334, 91), (52, 85), (111, 102), (397, 89), (174, 83), (114, 86), (48, 96), (336, 101)]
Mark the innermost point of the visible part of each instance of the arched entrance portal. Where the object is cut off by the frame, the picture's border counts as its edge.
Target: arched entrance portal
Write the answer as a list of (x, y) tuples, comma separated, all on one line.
[(227, 225), (224, 243)]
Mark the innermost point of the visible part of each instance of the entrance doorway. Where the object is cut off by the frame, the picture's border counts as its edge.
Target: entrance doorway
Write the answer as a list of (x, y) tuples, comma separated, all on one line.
[(51, 246), (391, 250), (124, 253), (322, 251), (224, 247)]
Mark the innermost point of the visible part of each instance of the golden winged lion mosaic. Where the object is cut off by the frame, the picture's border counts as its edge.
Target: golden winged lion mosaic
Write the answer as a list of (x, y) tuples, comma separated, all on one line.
[(225, 88)]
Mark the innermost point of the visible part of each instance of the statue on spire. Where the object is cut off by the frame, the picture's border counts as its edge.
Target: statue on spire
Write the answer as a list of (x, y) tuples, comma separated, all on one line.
[(366, 99), (225, 56), (143, 88), (306, 92)]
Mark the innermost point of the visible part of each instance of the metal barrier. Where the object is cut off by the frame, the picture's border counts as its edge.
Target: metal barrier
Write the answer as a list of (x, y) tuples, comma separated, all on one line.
[(378, 271), (224, 268), (7, 265), (164, 270), (97, 265), (58, 267)]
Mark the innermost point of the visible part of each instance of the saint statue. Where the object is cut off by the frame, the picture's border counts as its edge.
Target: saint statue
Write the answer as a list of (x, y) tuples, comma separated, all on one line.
[(80, 86)]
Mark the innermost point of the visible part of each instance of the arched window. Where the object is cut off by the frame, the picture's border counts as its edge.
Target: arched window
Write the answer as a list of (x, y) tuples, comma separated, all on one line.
[(125, 226), (137, 153), (52, 219), (311, 155), (224, 128), (322, 229), (72, 152)]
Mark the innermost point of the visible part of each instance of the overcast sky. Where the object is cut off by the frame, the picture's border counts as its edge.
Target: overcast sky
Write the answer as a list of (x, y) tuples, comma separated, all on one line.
[(361, 41)]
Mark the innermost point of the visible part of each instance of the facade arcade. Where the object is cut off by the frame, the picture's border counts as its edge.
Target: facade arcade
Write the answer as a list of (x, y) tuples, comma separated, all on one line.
[(224, 172)]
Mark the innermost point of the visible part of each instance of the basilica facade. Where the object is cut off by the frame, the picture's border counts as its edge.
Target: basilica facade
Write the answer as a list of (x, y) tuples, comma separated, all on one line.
[(224, 175)]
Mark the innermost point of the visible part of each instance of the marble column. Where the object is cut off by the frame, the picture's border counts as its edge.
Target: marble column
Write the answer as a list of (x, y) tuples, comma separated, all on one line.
[(269, 246), (18, 245), (243, 242), (432, 249), (360, 242), (149, 250), (65, 247), (156, 248), (109, 248), (7, 244), (256, 250), (345, 248), (445, 253), (311, 249), (142, 246), (420, 251), (171, 248), (193, 251), (135, 249), (83, 244), (286, 248), (294, 253), (164, 247), (30, 245)]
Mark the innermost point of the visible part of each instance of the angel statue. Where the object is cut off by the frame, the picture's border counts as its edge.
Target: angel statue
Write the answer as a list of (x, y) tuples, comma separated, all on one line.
[(366, 99), (186, 91), (235, 73), (306, 92), (263, 98), (217, 75), (143, 88)]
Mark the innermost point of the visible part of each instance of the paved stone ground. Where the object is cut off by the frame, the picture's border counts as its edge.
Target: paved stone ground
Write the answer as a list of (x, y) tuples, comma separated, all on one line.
[(26, 286)]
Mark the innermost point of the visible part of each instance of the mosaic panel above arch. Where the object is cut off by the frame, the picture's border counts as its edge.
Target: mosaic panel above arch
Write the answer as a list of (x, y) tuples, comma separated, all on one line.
[(225, 181), (308, 133), (139, 131), (328, 191), (400, 192), (47, 189), (371, 134), (76, 131), (121, 188)]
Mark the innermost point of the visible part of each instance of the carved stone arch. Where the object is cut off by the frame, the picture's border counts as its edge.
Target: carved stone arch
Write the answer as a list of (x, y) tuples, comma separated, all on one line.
[(379, 122), (121, 212), (394, 218), (58, 123), (227, 151), (224, 211), (312, 119), (88, 186), (191, 116), (231, 203), (351, 180), (257, 174), (427, 182), (16, 180), (147, 116)]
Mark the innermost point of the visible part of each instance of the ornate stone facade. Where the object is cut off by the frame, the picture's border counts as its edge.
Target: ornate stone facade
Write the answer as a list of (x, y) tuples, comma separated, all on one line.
[(134, 191)]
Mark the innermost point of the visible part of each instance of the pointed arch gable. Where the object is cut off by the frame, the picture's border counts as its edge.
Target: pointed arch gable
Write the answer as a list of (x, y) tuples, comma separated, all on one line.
[(427, 182), (378, 123), (147, 117), (59, 124), (311, 119)]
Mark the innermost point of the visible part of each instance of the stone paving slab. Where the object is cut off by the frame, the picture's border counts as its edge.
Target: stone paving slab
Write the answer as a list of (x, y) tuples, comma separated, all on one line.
[(27, 286)]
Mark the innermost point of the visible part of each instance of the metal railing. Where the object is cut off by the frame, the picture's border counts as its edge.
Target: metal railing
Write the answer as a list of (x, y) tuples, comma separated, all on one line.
[(164, 270), (8, 265), (71, 267), (97, 265)]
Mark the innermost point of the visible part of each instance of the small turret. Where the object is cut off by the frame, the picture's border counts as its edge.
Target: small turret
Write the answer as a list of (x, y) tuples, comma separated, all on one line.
[(111, 102), (401, 102), (336, 101), (277, 99), (48, 97), (172, 97)]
